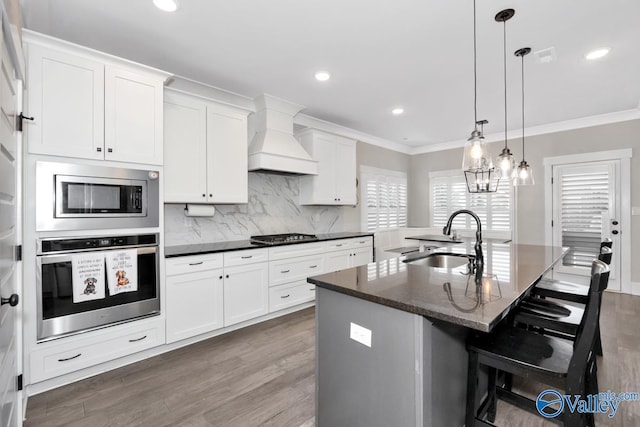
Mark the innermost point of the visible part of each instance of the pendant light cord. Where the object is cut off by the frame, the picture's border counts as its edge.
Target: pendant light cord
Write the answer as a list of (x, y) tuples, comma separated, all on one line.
[(475, 72), (522, 73), (505, 81)]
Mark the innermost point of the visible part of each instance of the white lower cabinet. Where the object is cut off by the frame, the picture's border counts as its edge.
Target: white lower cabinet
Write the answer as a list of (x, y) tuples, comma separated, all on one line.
[(358, 252), (52, 359), (194, 304), (246, 292), (194, 295)]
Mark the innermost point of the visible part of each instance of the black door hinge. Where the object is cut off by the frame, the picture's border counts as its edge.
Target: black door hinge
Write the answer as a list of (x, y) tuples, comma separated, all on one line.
[(19, 253), (552, 223), (19, 120), (19, 382), (552, 180)]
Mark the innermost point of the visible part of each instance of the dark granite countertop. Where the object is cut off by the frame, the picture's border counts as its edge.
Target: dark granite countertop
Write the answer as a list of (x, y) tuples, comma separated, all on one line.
[(234, 245), (422, 290)]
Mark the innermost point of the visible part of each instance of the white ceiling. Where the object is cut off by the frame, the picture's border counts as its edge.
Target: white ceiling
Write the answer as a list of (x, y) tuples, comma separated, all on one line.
[(411, 53)]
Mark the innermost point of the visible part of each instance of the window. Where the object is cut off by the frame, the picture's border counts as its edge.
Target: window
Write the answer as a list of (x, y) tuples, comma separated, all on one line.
[(384, 198), (449, 193)]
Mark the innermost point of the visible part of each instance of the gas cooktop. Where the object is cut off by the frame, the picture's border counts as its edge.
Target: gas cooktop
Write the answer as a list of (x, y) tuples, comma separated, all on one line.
[(282, 239)]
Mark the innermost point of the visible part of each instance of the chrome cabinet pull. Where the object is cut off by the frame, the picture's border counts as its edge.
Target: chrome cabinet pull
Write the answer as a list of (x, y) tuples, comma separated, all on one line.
[(247, 257), (284, 271), (285, 296), (138, 339), (196, 263), (337, 246), (70, 358), (313, 266)]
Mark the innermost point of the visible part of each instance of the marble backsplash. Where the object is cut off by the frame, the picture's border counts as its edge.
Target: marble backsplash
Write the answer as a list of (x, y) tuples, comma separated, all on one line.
[(272, 209)]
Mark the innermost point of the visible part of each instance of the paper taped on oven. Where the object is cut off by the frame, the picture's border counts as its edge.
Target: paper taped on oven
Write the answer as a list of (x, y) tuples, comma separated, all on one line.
[(88, 277), (122, 271)]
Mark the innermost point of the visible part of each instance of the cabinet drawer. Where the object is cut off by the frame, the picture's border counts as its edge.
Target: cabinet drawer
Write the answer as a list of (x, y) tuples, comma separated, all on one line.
[(351, 243), (193, 263), (290, 294), (245, 257), (301, 249), (292, 269), (99, 347)]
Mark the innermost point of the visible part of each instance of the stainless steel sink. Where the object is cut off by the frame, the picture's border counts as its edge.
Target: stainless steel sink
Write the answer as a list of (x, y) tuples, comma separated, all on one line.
[(440, 260)]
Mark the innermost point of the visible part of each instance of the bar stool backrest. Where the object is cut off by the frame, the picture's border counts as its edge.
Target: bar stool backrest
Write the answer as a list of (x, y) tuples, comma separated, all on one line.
[(583, 345), (605, 254)]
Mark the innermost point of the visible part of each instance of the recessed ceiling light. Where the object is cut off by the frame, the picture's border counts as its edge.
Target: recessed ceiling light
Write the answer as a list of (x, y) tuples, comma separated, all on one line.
[(323, 76), (397, 111), (598, 53), (166, 5)]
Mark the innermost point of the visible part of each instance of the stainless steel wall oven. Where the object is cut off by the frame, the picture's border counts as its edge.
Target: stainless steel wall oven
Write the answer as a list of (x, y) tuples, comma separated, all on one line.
[(81, 286)]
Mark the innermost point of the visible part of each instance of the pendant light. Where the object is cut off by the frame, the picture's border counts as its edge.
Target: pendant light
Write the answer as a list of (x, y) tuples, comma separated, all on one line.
[(476, 162), (524, 173), (505, 162)]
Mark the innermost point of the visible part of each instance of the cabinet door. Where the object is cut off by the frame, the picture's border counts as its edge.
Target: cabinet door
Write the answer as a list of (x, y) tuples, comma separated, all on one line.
[(325, 181), (338, 260), (133, 117), (194, 304), (185, 148), (361, 256), (226, 156), (246, 292), (345, 173), (66, 99)]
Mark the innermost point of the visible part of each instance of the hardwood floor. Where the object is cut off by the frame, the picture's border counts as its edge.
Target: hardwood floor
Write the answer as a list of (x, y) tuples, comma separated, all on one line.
[(264, 375)]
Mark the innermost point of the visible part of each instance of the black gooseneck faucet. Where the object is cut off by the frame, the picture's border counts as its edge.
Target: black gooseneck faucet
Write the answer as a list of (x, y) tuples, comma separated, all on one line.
[(478, 246)]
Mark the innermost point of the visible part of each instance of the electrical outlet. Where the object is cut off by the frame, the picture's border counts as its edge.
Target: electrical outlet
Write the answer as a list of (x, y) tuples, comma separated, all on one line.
[(360, 334), (635, 210)]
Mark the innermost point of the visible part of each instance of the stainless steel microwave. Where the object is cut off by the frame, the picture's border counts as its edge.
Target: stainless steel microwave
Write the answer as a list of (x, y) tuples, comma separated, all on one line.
[(80, 197)]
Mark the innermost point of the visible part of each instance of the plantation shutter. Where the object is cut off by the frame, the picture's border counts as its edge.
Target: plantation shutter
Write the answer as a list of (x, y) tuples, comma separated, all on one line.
[(384, 199), (449, 194), (584, 200)]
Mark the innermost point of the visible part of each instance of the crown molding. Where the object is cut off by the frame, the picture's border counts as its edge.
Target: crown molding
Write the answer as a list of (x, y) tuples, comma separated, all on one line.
[(312, 122), (583, 122)]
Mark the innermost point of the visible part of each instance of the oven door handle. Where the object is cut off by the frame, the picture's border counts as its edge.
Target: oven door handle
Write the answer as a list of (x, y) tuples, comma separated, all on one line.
[(67, 256)]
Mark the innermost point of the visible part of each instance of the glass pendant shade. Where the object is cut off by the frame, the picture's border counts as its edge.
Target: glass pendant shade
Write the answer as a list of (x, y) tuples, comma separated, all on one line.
[(476, 154), (523, 175), (506, 163)]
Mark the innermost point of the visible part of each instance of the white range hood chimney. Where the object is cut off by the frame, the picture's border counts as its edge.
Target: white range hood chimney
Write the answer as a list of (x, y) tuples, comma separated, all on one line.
[(273, 147)]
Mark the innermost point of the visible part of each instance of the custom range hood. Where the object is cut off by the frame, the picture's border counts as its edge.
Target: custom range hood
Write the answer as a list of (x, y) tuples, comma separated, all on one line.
[(273, 147)]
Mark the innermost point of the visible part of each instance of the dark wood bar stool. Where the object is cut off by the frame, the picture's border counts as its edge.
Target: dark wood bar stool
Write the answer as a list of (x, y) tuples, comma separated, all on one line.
[(555, 318), (553, 361), (566, 291)]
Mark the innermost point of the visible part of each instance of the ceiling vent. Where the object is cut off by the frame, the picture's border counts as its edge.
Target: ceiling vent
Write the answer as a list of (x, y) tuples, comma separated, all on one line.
[(545, 56)]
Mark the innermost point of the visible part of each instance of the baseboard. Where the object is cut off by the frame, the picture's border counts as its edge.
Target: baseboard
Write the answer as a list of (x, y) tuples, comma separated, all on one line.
[(635, 288)]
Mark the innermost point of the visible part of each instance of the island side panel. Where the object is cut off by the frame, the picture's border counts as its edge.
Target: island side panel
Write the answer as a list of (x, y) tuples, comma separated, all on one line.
[(445, 373), (357, 385)]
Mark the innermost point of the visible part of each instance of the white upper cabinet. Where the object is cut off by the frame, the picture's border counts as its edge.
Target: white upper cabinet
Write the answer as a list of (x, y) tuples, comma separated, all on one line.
[(90, 105), (335, 183), (185, 149), (66, 101), (133, 116), (205, 151)]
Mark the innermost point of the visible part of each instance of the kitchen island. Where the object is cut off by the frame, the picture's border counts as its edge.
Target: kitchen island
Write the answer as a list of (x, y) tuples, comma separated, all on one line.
[(390, 336)]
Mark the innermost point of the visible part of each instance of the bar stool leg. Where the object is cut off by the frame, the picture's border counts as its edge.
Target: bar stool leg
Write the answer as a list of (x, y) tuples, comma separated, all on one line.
[(493, 405), (472, 385)]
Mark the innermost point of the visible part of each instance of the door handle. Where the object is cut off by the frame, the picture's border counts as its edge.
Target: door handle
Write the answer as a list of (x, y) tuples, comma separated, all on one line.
[(13, 300)]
